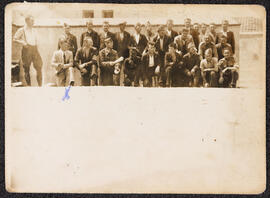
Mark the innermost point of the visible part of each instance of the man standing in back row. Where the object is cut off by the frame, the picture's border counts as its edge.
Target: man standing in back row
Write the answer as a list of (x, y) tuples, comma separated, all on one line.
[(27, 37), (90, 33)]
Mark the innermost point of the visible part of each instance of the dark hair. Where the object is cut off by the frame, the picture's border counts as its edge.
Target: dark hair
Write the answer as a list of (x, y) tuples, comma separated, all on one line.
[(172, 45)]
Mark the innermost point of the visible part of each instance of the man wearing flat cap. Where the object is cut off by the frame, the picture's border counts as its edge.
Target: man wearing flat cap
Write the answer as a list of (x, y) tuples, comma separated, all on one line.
[(91, 33), (107, 58), (162, 42)]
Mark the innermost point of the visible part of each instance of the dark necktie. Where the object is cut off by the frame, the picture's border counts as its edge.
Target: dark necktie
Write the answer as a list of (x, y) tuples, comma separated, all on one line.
[(64, 55)]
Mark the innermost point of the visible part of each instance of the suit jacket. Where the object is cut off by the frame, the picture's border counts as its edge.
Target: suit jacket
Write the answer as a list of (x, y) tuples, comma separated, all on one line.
[(220, 47), (72, 43), (141, 45), (230, 39), (122, 45), (81, 57), (191, 60), (58, 58), (178, 63), (166, 42), (95, 37), (109, 35), (145, 63), (172, 36)]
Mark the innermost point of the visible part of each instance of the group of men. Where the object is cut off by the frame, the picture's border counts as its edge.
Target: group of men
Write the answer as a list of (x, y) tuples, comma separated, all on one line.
[(195, 56)]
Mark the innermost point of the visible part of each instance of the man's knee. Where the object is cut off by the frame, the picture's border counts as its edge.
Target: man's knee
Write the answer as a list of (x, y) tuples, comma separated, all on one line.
[(213, 74)]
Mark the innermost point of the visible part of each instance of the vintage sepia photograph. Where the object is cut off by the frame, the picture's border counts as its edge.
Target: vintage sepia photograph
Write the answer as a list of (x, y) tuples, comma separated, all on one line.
[(116, 47), (135, 98)]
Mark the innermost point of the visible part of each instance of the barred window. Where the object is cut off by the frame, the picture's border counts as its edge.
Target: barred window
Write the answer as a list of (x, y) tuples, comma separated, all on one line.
[(88, 13), (107, 13)]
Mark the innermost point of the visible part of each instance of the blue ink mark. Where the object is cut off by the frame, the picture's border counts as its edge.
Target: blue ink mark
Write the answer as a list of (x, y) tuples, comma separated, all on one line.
[(66, 96)]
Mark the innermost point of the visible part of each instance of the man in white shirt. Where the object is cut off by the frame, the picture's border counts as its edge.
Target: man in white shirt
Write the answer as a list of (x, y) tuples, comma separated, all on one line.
[(27, 37)]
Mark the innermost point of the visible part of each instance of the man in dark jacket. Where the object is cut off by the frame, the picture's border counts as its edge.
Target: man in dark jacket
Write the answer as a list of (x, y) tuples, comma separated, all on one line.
[(123, 41), (173, 66), (161, 44), (91, 33), (170, 32), (86, 59), (229, 34), (151, 66)]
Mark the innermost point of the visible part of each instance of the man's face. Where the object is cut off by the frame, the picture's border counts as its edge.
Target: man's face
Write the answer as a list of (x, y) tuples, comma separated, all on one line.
[(226, 53), (212, 28), (171, 50), (207, 39), (64, 46), (208, 56), (204, 28), (225, 25), (67, 30), (192, 50), (109, 44), (138, 29), (169, 25), (196, 27), (106, 27), (148, 28), (122, 27), (187, 23), (89, 25), (30, 21), (223, 40), (88, 43), (161, 33), (151, 49), (185, 34)]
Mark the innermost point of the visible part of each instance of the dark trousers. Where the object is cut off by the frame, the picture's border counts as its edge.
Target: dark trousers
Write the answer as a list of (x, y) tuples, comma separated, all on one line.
[(230, 78), (150, 79), (195, 79), (90, 78), (30, 55), (131, 75)]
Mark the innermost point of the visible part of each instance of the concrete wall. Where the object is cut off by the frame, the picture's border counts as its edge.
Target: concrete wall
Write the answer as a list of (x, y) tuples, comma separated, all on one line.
[(47, 44)]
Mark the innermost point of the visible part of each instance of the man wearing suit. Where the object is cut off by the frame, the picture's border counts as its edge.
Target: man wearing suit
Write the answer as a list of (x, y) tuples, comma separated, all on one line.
[(151, 66), (91, 33), (170, 32), (173, 67), (196, 35), (222, 46), (70, 39), (123, 41), (161, 44), (203, 32), (106, 34), (62, 61), (86, 59), (149, 34), (182, 41), (229, 34), (107, 56)]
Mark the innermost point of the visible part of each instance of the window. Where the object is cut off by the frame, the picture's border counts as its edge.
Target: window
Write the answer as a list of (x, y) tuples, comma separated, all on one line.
[(107, 13), (88, 13)]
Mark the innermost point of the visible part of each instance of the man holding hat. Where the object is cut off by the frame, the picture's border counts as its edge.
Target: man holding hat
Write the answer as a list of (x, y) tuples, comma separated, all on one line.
[(91, 33), (107, 58)]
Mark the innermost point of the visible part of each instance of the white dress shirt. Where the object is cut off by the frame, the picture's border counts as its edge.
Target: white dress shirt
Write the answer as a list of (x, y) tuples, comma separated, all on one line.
[(27, 35), (151, 61), (137, 37)]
